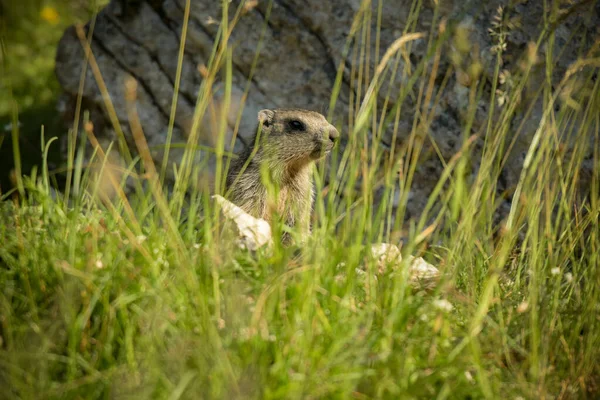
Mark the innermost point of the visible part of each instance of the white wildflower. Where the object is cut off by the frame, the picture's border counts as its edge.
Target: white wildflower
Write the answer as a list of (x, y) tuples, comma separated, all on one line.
[(468, 376), (521, 308), (443, 305)]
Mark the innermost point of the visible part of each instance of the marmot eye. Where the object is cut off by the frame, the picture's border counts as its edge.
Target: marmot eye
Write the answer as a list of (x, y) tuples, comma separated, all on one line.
[(296, 125)]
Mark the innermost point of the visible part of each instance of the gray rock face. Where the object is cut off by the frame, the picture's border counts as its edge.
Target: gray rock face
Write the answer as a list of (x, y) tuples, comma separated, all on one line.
[(302, 47)]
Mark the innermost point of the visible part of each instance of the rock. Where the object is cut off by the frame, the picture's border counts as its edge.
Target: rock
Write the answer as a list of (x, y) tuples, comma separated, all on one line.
[(389, 256), (421, 270), (300, 52), (254, 233), (386, 253)]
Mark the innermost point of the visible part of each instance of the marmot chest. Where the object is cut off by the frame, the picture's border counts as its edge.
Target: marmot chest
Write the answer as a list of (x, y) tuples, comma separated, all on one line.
[(291, 199)]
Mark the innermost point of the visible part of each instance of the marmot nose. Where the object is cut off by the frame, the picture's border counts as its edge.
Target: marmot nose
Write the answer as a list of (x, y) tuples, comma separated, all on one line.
[(333, 134)]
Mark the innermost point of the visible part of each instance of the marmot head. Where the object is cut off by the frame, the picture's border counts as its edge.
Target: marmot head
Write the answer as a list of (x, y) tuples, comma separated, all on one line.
[(296, 136)]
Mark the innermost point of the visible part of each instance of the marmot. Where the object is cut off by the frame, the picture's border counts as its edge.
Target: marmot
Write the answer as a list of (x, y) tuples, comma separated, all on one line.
[(285, 145)]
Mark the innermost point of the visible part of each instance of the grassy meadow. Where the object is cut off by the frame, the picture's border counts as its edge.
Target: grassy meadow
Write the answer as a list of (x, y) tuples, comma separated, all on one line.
[(143, 297)]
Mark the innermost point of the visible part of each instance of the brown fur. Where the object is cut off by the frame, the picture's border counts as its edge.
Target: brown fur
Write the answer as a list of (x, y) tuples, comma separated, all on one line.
[(287, 155)]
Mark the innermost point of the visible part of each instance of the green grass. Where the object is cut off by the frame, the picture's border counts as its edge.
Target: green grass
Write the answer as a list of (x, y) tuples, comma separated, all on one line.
[(133, 298), (29, 34)]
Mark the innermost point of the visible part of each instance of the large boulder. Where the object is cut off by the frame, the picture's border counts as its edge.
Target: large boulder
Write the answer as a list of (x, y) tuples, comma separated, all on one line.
[(300, 52)]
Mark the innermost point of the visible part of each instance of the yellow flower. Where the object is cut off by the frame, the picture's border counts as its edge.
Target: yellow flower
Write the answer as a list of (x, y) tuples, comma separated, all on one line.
[(49, 14)]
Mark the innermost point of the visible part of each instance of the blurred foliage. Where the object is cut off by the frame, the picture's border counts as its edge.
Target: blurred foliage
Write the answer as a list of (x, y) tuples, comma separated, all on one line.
[(30, 31)]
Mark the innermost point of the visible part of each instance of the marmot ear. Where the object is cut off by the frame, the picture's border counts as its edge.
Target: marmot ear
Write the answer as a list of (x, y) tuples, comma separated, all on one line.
[(266, 117)]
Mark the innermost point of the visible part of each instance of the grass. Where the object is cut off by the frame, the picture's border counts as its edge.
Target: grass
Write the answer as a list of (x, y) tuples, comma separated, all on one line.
[(107, 297), (29, 34)]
